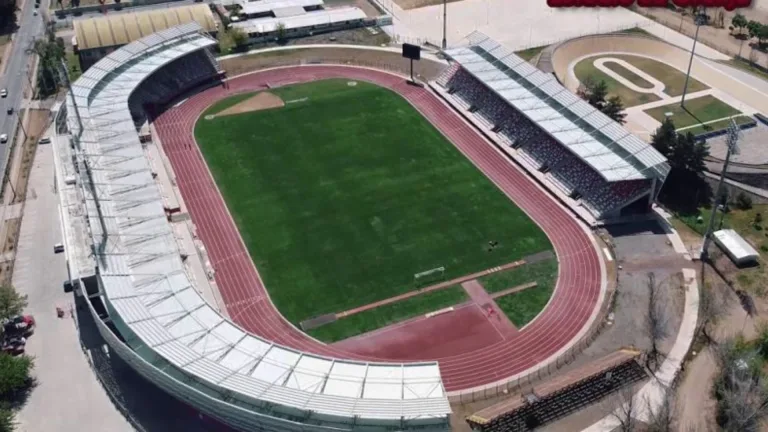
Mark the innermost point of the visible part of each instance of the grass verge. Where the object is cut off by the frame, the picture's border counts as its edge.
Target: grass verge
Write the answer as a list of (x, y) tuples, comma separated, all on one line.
[(696, 111), (522, 307), (530, 53), (517, 276), (720, 124), (586, 69), (383, 316), (628, 74), (672, 78)]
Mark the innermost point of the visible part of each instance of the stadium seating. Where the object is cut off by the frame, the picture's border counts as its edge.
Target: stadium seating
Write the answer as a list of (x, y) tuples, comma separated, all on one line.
[(536, 149), (175, 78)]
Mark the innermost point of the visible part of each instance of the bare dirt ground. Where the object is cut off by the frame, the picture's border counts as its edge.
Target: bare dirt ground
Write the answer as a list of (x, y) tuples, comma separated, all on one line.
[(261, 101), (415, 4)]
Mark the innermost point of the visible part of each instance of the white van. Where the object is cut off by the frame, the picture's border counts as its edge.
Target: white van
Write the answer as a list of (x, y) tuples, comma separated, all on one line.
[(58, 248)]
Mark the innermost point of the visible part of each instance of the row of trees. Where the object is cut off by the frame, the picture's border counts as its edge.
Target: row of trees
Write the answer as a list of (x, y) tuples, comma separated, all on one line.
[(749, 29), (15, 371), (50, 51)]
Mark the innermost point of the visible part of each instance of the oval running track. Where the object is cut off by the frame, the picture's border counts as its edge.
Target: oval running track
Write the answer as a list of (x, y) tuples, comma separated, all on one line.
[(579, 282)]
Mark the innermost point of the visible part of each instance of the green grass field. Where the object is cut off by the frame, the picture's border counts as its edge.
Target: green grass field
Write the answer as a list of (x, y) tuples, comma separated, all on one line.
[(530, 53), (522, 307), (344, 194), (383, 316), (673, 79), (699, 110), (720, 124), (629, 75), (586, 69)]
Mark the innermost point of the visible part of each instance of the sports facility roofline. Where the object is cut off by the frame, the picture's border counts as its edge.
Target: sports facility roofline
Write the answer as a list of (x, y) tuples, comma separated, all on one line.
[(592, 136), (152, 300), (316, 18)]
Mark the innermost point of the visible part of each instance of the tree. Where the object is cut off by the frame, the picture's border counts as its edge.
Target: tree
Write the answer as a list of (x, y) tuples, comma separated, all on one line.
[(11, 302), (743, 201), (624, 410), (614, 108), (753, 28), (740, 390), (685, 187), (7, 419), (762, 35), (739, 22), (656, 321), (662, 417), (14, 375), (51, 53), (596, 94), (239, 37), (280, 31), (712, 305)]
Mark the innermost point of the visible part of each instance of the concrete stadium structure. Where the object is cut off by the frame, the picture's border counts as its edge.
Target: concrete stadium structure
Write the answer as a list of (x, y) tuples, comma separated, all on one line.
[(123, 255)]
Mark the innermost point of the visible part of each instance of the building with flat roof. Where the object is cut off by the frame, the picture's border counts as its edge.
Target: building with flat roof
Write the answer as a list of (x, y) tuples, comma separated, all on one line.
[(144, 298), (97, 37)]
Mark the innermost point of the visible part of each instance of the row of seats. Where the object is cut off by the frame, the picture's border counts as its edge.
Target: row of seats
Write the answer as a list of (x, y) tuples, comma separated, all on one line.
[(172, 80), (537, 149)]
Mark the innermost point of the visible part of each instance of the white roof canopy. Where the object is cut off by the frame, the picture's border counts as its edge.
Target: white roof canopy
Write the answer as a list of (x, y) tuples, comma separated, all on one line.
[(309, 19), (595, 138), (152, 299)]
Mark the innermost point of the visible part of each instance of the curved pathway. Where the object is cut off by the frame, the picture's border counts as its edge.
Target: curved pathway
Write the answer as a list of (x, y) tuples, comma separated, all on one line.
[(570, 310)]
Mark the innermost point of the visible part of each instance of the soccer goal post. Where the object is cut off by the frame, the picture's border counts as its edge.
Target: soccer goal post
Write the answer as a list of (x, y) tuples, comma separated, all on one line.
[(429, 277)]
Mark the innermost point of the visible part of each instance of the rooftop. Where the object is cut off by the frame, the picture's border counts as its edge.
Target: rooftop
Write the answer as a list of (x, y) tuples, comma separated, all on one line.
[(120, 29), (256, 7), (150, 296), (309, 19), (595, 138)]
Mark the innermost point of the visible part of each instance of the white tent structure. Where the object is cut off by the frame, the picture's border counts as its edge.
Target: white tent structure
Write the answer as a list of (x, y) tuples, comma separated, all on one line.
[(734, 245), (124, 257)]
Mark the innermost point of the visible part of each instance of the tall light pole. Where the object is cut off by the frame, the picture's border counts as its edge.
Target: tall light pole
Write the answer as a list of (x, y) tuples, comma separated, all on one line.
[(699, 19), (733, 137), (445, 23)]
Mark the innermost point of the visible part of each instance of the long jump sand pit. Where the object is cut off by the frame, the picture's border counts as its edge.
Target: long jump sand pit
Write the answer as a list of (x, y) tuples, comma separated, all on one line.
[(258, 102)]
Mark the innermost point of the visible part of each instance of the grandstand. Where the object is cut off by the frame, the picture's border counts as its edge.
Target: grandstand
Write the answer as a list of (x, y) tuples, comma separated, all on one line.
[(123, 255), (579, 152)]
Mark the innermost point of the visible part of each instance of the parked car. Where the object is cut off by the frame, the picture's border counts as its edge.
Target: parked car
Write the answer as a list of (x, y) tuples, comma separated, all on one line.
[(3, 138), (3, 93), (22, 325), (13, 348), (9, 110)]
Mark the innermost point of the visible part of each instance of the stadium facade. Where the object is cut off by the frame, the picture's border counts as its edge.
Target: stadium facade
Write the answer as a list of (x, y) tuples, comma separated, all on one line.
[(124, 258)]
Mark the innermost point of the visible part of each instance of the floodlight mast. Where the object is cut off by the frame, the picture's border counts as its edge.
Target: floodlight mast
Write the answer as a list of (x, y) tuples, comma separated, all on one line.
[(733, 137), (699, 19), (445, 17)]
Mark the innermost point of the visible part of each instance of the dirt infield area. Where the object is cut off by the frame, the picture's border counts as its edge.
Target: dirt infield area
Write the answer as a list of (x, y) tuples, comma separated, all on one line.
[(261, 101)]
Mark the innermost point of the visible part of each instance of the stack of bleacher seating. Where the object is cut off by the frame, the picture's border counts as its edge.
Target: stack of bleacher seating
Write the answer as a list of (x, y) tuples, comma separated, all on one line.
[(172, 80), (537, 149)]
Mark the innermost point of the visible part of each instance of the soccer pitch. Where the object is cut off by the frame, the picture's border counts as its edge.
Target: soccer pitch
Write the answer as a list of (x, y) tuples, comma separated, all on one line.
[(346, 192)]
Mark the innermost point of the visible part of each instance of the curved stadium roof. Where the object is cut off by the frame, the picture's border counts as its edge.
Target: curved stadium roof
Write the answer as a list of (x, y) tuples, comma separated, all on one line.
[(151, 298)]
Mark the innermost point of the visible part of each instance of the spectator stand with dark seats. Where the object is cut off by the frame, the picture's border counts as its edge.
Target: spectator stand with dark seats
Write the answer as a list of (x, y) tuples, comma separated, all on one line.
[(562, 395), (536, 149)]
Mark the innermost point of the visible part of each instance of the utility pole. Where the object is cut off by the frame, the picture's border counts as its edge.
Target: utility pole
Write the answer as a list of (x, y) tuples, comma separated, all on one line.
[(445, 17), (732, 142), (699, 19)]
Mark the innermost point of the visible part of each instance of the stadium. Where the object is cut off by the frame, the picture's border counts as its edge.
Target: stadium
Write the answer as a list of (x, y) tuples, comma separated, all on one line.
[(498, 135)]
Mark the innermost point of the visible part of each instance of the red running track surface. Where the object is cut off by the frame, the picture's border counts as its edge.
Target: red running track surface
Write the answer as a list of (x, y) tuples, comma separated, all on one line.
[(243, 292)]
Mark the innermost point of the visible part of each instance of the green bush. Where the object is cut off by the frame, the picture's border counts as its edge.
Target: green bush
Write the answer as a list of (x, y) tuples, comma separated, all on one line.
[(743, 201), (14, 375)]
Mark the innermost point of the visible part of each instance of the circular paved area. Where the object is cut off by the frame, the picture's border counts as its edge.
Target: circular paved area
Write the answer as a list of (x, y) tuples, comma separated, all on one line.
[(570, 309)]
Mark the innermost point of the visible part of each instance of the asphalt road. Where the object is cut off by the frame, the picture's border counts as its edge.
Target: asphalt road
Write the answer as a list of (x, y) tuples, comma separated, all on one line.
[(15, 77)]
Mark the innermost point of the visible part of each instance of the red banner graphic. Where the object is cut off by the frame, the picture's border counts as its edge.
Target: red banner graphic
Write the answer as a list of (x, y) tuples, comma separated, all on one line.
[(727, 4)]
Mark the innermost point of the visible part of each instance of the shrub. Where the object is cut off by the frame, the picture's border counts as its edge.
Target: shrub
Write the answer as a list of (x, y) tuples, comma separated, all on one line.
[(743, 201)]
